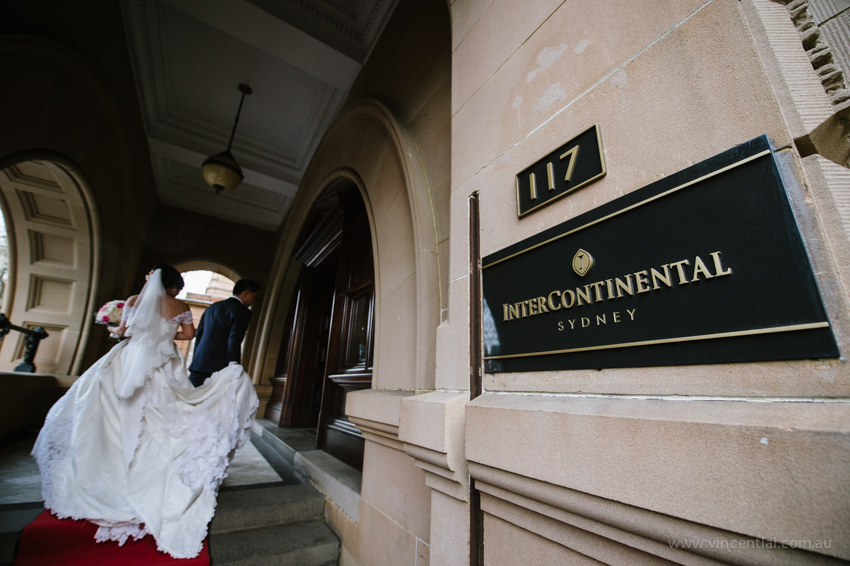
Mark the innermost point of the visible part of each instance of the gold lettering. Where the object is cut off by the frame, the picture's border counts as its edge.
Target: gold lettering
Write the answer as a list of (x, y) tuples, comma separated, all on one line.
[(719, 268), (560, 327), (550, 173), (523, 305), (532, 180), (620, 285), (596, 287), (610, 284), (573, 153), (642, 282), (656, 276), (678, 265), (513, 311), (699, 267)]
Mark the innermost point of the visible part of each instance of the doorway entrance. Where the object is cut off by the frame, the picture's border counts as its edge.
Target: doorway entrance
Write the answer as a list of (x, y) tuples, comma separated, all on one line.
[(327, 348)]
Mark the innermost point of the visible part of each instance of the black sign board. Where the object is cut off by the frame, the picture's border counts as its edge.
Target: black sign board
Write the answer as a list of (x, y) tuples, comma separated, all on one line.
[(704, 266), (575, 164)]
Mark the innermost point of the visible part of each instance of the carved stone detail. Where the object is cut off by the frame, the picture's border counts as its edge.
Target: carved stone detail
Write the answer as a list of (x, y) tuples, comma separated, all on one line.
[(820, 54), (441, 471), (432, 429), (378, 432)]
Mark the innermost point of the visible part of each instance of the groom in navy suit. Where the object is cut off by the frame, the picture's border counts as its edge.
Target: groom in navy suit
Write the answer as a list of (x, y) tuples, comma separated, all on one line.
[(218, 340)]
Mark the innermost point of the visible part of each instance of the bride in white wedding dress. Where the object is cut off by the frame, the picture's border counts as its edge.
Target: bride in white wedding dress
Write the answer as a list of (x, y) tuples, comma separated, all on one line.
[(136, 449)]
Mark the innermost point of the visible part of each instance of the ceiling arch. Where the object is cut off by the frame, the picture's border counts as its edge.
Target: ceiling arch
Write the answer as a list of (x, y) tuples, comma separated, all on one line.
[(300, 58)]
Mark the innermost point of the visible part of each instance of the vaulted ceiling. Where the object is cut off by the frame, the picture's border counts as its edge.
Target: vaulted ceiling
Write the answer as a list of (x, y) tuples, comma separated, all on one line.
[(300, 57)]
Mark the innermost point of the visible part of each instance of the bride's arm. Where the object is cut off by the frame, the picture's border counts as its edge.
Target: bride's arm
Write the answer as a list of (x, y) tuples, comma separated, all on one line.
[(121, 328), (186, 332), (187, 329)]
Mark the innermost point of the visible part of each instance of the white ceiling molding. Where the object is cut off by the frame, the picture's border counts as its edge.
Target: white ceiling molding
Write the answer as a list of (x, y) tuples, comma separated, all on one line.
[(351, 26), (188, 58)]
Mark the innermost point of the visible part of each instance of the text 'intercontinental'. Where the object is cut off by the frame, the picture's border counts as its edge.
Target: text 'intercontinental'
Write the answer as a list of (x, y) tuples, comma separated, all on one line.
[(635, 283)]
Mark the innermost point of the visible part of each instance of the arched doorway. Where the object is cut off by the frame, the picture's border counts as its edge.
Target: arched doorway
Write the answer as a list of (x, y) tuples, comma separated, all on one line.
[(203, 287), (327, 349), (50, 226), (202, 265)]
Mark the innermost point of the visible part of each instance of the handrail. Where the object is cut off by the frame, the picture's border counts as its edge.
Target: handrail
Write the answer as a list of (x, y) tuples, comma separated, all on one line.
[(34, 336)]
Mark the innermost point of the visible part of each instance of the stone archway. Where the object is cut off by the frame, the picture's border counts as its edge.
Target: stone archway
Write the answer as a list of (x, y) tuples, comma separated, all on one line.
[(370, 148), (199, 304), (201, 265), (53, 252)]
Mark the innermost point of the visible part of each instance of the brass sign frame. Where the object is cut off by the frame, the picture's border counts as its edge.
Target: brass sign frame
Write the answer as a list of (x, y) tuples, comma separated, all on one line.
[(718, 335)]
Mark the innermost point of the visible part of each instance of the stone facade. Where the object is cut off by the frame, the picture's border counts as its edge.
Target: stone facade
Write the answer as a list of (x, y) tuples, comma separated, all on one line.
[(700, 464), (683, 464)]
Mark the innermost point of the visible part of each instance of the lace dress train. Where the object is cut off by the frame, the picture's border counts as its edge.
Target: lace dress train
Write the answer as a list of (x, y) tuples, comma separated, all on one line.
[(145, 457)]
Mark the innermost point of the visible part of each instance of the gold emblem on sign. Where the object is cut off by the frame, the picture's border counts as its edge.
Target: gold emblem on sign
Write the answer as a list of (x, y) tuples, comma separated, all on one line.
[(582, 262)]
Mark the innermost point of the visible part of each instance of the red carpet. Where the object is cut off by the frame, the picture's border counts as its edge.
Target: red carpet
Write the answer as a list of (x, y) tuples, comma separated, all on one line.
[(49, 540)]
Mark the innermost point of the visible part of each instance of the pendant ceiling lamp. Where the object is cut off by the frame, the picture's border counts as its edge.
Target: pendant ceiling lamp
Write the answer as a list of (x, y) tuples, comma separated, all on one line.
[(221, 171)]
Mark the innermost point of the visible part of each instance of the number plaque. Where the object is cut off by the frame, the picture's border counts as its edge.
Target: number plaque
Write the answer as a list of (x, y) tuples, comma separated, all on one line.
[(575, 164)]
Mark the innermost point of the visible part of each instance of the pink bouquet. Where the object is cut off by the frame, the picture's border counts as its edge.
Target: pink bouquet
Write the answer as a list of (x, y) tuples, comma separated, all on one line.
[(110, 313)]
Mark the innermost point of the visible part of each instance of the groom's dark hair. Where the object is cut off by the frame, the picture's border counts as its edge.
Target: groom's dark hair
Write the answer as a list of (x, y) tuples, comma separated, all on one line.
[(245, 285), (170, 276)]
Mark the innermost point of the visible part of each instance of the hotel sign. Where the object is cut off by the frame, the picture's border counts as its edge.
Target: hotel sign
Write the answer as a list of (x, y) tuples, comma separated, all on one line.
[(704, 266)]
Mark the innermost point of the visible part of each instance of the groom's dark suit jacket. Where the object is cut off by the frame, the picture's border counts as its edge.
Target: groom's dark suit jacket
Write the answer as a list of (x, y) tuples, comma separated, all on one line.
[(218, 340)]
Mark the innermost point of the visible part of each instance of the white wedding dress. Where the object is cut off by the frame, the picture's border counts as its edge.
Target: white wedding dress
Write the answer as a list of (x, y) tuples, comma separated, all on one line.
[(134, 448)]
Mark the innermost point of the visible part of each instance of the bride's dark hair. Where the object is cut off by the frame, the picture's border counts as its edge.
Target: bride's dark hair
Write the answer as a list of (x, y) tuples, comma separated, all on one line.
[(170, 276)]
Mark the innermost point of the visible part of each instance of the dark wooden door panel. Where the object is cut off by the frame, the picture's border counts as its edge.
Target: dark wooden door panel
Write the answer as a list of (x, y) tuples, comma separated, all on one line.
[(342, 440), (328, 351), (306, 368), (350, 345)]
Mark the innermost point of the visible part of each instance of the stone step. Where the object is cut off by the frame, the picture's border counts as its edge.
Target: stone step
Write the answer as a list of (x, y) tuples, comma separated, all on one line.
[(243, 509), (303, 544), (276, 460), (13, 519), (8, 546), (295, 450), (286, 442)]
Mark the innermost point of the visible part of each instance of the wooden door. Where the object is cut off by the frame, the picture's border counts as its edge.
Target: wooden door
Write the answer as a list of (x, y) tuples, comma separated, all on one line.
[(351, 341), (327, 348), (308, 356), (299, 375)]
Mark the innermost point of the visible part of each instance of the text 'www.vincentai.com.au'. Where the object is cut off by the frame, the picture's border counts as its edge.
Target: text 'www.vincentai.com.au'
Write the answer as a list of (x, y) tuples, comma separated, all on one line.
[(748, 543)]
